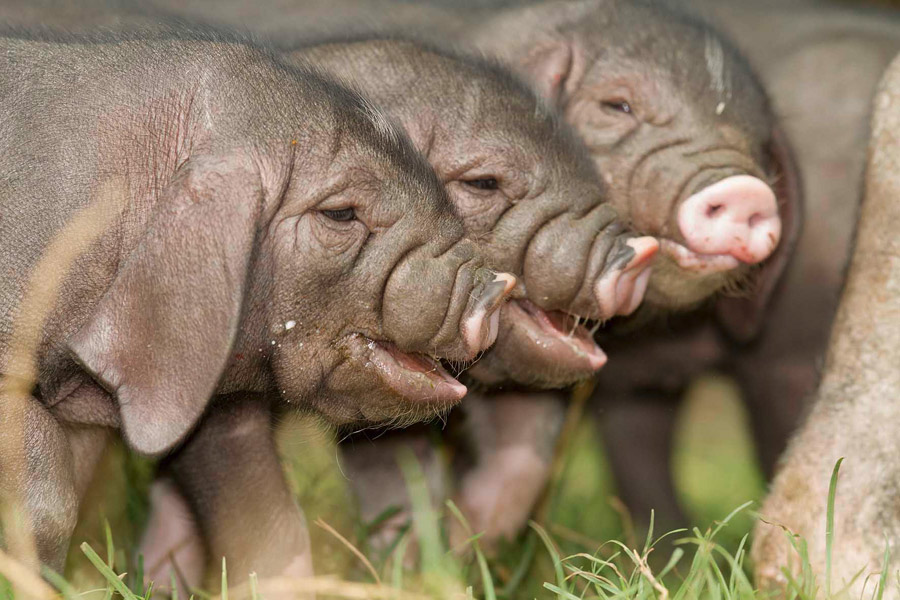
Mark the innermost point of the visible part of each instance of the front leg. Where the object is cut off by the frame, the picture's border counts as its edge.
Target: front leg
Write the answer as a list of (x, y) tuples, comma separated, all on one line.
[(513, 437), (376, 478), (231, 476), (45, 468)]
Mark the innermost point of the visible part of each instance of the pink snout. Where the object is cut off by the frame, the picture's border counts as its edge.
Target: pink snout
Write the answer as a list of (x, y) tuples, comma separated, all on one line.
[(737, 216), (620, 292)]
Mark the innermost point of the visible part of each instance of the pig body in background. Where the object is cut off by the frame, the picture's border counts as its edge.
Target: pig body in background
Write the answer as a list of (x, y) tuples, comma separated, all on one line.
[(856, 408)]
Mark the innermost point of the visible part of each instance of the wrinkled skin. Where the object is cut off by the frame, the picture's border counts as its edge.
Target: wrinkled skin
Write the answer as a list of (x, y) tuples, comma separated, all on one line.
[(615, 69), (539, 173), (661, 142), (526, 190), (668, 111), (855, 411), (825, 118), (255, 249)]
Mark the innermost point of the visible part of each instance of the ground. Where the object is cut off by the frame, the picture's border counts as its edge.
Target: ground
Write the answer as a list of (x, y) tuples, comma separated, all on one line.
[(714, 463)]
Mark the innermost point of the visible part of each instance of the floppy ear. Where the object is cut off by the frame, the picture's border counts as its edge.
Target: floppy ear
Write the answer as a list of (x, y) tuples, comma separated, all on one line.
[(742, 318), (548, 66), (552, 56), (160, 337)]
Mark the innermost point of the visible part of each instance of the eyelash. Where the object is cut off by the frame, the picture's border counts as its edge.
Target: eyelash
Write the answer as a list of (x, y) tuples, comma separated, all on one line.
[(344, 214), (485, 183)]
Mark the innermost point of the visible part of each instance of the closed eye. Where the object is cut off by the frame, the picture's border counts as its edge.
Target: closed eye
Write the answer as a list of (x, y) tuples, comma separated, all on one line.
[(484, 183), (343, 214), (622, 106)]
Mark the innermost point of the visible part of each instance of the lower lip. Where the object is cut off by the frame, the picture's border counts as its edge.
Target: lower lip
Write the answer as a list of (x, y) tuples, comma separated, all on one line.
[(578, 342), (697, 263)]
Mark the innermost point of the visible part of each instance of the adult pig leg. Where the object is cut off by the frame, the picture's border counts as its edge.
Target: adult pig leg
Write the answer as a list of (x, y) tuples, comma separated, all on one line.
[(231, 476), (856, 410)]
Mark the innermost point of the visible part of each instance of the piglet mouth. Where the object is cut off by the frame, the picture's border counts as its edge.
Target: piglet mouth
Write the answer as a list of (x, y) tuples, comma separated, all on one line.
[(562, 337), (695, 262), (414, 376)]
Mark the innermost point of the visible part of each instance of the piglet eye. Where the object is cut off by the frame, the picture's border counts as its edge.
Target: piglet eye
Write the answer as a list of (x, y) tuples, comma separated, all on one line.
[(485, 183), (344, 214), (621, 106)]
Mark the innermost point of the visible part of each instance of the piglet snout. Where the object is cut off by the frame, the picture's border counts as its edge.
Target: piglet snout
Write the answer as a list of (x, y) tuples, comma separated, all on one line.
[(737, 216), (481, 326), (620, 291)]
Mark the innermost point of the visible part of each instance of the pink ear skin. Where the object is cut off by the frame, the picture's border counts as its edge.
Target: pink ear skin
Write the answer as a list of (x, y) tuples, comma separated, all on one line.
[(160, 337), (555, 69), (742, 317)]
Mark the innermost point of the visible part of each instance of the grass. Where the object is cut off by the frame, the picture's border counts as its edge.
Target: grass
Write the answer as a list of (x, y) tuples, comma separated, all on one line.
[(562, 559)]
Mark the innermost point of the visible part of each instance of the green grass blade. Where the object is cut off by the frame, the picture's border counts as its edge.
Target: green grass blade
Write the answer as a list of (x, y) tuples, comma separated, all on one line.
[(648, 543), (829, 525), (486, 579), (138, 581), (254, 587), (397, 568), (108, 573), (885, 567), (56, 580), (425, 522), (551, 549), (561, 592), (521, 570), (224, 580)]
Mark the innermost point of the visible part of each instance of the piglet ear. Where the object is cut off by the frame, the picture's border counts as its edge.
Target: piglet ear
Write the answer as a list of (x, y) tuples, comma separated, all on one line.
[(550, 67), (742, 318), (160, 337), (551, 56)]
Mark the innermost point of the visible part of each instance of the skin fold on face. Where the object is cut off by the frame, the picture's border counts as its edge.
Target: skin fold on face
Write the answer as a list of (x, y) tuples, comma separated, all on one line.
[(397, 286), (526, 191), (676, 123)]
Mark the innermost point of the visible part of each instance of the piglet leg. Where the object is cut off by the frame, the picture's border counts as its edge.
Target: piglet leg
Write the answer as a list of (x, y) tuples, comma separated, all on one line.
[(172, 545), (231, 476), (513, 437), (45, 467), (371, 463)]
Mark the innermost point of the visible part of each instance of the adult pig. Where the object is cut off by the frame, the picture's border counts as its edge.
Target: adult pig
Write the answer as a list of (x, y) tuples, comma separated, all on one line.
[(260, 236), (856, 403)]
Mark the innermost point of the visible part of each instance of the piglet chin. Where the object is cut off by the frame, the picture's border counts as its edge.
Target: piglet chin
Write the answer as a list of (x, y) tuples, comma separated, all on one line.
[(415, 377)]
